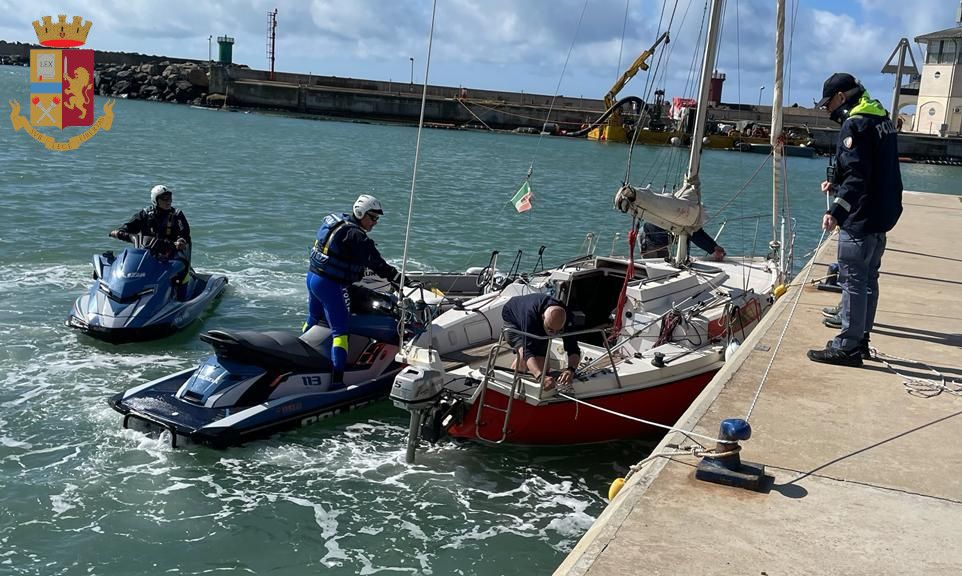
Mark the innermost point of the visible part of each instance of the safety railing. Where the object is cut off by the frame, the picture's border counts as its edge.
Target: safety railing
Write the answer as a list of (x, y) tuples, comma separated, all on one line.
[(517, 382)]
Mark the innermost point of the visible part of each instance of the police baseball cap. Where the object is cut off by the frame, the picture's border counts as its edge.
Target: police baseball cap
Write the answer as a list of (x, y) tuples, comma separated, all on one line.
[(838, 82)]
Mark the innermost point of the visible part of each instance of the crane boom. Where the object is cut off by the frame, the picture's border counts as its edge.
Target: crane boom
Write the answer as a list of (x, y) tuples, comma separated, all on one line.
[(640, 63), (613, 130)]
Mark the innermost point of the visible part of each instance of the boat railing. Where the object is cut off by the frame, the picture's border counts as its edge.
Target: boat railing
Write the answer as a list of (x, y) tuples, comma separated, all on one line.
[(517, 382), (736, 219)]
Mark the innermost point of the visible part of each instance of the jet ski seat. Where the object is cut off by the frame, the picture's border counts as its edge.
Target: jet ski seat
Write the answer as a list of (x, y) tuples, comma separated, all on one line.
[(274, 349)]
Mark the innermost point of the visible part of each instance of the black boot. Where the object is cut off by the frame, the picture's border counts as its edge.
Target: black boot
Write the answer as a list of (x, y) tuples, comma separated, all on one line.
[(832, 355), (337, 380)]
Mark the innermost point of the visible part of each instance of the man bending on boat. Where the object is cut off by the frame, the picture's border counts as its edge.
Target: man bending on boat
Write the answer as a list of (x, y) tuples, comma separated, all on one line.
[(539, 315), (167, 225), (341, 252)]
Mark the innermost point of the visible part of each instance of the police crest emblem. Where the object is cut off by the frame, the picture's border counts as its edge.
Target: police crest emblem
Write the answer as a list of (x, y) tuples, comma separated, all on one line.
[(61, 85)]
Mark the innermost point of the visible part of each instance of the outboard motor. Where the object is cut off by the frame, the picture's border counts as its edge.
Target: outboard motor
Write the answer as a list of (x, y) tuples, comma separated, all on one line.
[(417, 389)]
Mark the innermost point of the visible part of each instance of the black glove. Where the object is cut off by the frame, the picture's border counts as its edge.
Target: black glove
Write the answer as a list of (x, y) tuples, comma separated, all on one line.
[(120, 235)]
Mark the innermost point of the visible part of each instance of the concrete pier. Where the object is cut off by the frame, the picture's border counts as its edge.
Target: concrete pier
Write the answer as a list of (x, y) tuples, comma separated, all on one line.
[(867, 478)]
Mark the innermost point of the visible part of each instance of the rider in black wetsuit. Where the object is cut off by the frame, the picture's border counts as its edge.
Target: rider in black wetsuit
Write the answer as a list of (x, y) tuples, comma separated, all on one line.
[(165, 223)]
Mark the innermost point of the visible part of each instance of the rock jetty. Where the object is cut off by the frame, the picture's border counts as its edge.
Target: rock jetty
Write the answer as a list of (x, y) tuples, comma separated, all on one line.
[(182, 82)]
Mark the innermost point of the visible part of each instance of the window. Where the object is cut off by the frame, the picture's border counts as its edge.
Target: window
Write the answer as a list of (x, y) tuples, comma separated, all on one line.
[(947, 52)]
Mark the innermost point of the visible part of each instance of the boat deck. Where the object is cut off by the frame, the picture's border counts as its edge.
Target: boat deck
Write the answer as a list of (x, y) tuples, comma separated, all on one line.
[(866, 475), (474, 357)]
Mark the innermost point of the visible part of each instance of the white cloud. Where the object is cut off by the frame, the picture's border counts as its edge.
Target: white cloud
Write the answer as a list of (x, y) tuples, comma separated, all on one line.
[(509, 44)]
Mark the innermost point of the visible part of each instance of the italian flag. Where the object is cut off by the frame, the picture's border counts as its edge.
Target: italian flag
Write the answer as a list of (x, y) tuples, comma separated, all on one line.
[(522, 198)]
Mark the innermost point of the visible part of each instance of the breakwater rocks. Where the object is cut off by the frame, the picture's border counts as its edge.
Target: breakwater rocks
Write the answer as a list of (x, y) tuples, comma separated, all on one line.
[(182, 82)]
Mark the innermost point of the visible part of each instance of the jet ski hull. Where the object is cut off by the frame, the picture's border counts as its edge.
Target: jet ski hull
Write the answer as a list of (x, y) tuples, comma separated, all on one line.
[(258, 383), (132, 298), (156, 405)]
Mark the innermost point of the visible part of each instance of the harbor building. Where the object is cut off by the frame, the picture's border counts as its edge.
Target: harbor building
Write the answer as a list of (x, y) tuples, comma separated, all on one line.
[(939, 104)]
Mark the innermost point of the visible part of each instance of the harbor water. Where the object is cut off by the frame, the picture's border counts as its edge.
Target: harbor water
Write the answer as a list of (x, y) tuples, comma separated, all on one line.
[(83, 496)]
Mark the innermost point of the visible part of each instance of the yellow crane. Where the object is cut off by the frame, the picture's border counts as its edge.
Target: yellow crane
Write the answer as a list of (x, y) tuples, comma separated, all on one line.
[(614, 130)]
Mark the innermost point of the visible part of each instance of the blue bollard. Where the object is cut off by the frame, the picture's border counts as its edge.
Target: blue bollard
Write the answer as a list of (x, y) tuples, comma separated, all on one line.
[(728, 468)]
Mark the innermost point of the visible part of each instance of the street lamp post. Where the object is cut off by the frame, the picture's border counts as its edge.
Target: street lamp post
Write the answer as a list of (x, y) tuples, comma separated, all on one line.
[(760, 90), (412, 69), (210, 54)]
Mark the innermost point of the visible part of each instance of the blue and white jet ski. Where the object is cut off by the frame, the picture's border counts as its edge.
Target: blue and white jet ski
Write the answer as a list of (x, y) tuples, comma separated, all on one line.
[(258, 383), (137, 295)]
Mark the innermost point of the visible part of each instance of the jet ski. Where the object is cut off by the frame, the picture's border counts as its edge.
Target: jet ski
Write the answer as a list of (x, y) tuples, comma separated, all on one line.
[(136, 295), (259, 383)]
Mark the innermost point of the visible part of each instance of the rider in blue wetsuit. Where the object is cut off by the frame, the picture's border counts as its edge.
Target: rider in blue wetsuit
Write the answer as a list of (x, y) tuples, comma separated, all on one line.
[(341, 253)]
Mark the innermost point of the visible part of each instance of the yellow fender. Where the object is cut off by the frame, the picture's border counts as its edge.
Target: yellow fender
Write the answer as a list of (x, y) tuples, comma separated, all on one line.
[(615, 488)]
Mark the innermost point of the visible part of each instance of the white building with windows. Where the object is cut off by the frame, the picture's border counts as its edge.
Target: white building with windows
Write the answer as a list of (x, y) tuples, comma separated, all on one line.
[(939, 106)]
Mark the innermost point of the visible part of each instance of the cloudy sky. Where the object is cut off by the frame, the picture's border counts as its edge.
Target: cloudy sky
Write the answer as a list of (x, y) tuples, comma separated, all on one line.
[(516, 45)]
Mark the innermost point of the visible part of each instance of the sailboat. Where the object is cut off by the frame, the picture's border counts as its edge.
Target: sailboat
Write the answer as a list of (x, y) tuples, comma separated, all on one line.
[(652, 332)]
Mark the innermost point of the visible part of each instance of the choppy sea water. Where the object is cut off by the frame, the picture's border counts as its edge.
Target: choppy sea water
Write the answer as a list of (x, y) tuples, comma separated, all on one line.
[(81, 495)]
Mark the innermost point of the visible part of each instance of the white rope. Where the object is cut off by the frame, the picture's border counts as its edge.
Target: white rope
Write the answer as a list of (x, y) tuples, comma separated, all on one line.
[(414, 173), (781, 337), (695, 451), (643, 421), (920, 387)]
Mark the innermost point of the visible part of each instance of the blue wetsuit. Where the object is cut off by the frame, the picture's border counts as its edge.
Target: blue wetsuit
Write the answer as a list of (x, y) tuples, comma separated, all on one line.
[(341, 252)]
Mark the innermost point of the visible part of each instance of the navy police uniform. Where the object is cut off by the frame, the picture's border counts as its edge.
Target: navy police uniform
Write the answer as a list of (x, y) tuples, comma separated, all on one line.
[(868, 202)]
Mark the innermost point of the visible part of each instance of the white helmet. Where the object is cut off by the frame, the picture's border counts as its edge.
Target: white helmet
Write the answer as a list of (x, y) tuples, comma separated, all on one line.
[(158, 190), (366, 203)]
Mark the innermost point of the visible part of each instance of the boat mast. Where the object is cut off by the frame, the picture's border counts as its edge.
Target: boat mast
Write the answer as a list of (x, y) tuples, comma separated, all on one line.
[(701, 115), (777, 141)]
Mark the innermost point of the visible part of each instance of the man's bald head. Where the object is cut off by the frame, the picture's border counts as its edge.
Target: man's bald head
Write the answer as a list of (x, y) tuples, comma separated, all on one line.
[(554, 319)]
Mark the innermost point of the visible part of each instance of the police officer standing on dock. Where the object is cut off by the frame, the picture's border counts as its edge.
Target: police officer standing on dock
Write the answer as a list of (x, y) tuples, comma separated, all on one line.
[(341, 252), (867, 186)]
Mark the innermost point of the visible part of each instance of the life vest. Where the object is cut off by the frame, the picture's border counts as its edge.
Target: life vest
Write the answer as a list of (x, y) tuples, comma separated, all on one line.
[(161, 227), (330, 255)]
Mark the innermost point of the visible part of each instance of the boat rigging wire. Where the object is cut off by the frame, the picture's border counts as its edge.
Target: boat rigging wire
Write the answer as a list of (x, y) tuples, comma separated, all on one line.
[(788, 321), (554, 97), (414, 173), (621, 47)]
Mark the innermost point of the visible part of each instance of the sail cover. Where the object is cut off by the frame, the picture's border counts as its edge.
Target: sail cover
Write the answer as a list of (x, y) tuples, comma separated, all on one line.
[(680, 212)]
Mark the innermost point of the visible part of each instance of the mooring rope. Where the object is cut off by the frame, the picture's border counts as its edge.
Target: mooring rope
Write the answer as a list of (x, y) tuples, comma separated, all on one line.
[(920, 387), (788, 321), (695, 451), (687, 433)]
